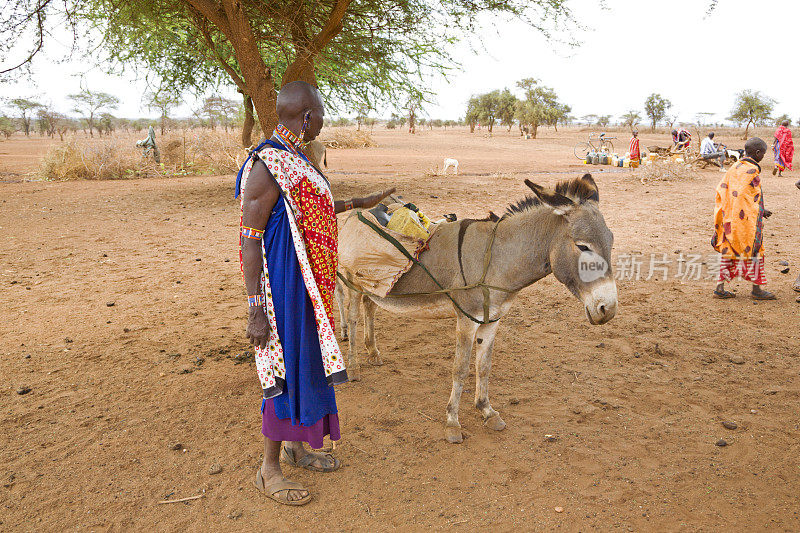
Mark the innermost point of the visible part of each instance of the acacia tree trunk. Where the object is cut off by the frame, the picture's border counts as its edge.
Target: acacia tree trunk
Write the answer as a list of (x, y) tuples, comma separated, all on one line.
[(249, 122), (534, 130)]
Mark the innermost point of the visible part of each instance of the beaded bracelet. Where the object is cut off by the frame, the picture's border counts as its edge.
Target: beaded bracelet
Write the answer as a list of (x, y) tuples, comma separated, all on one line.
[(252, 233), (257, 300), (348, 205)]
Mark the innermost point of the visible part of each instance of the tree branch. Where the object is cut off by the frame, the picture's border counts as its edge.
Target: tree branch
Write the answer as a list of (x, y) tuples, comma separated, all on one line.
[(331, 28)]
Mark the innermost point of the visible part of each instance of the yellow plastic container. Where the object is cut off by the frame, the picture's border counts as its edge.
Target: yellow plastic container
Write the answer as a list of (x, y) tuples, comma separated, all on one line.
[(626, 163), (407, 222)]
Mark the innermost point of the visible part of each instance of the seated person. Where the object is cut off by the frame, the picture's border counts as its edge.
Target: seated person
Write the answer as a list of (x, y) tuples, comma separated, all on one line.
[(710, 151), (681, 139)]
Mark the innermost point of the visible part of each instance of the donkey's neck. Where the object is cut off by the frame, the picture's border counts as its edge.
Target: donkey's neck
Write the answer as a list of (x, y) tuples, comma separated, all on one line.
[(522, 246)]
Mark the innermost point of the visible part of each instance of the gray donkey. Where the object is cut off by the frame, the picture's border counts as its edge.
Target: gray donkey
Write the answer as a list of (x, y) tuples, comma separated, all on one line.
[(560, 232)]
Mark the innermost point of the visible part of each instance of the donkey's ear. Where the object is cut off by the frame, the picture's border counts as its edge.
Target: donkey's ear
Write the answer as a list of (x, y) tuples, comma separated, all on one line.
[(594, 193), (561, 204)]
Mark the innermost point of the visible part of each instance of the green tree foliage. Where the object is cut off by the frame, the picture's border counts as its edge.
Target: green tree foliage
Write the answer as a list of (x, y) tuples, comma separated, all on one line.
[(357, 51), (507, 106), (603, 120), (751, 108), (26, 108), (51, 122), (218, 111), (631, 119), (7, 127), (540, 106), (90, 104), (163, 102), (656, 107), (781, 119), (473, 113)]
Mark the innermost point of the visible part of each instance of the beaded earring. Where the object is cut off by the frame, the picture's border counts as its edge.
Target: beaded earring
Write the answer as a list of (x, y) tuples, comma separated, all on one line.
[(306, 119)]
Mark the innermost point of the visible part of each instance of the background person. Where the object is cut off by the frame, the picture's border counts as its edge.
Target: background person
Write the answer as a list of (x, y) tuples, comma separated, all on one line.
[(783, 149), (710, 152), (738, 223), (633, 149), (681, 139)]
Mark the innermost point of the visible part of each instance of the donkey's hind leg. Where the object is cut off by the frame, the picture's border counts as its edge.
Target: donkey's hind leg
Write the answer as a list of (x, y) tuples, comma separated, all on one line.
[(353, 367), (343, 300), (484, 340), (374, 356), (465, 336)]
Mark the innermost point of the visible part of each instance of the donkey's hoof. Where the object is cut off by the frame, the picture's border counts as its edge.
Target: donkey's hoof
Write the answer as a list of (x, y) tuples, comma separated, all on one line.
[(353, 374), (375, 359), (453, 435), (495, 422)]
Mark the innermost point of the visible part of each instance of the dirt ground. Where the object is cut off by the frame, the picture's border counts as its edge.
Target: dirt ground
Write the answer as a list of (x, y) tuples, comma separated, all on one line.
[(122, 309)]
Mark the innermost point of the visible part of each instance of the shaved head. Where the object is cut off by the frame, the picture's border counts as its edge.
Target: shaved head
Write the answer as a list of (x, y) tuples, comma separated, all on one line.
[(297, 99), (755, 147)]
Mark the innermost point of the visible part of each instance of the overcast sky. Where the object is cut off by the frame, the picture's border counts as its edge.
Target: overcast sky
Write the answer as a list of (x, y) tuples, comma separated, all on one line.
[(626, 52)]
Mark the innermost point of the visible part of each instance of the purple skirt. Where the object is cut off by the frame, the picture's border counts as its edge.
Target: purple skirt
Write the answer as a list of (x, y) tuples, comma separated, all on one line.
[(277, 429)]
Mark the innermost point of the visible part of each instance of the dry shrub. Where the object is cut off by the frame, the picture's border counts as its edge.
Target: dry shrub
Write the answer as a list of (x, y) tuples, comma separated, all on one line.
[(666, 170), (347, 138), (434, 171), (117, 156)]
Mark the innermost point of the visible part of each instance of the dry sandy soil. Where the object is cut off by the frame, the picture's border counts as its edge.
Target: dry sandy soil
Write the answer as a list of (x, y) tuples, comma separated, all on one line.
[(636, 405)]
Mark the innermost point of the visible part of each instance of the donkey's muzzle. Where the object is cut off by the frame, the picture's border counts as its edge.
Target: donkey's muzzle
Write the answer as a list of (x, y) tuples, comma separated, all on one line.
[(601, 303)]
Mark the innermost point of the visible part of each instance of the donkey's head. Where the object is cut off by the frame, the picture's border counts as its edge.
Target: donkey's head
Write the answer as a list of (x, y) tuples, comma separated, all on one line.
[(580, 254)]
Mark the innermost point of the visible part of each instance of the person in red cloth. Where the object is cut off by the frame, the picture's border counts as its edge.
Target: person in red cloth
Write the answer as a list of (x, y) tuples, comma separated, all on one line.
[(633, 149), (783, 148), (288, 246)]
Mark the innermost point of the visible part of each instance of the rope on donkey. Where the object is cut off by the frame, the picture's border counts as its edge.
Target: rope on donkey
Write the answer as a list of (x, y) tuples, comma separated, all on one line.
[(485, 287)]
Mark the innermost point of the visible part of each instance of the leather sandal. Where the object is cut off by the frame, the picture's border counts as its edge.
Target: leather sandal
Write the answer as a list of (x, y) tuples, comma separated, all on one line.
[(724, 295), (307, 461), (279, 490)]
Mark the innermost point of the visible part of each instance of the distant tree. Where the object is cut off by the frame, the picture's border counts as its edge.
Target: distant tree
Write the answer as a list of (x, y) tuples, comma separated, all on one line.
[(603, 120), (51, 121), (751, 108), (589, 119), (656, 107), (361, 115), (489, 109), (7, 127), (163, 102), (91, 103), (413, 108), (540, 106), (369, 121), (507, 108), (781, 119), (218, 111), (105, 123), (473, 114), (437, 123), (670, 120), (631, 119), (26, 109), (341, 122)]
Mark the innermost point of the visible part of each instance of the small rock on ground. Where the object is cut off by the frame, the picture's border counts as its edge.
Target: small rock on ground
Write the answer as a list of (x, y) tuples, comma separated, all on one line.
[(23, 390), (736, 359), (215, 469), (721, 442), (728, 424), (234, 515), (176, 446)]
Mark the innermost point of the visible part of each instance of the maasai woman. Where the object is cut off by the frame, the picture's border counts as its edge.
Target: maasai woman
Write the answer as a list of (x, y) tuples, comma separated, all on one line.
[(738, 223), (783, 148), (633, 148), (288, 257)]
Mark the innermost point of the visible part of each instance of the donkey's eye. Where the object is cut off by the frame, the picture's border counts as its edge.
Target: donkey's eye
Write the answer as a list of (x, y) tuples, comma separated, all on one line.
[(583, 247)]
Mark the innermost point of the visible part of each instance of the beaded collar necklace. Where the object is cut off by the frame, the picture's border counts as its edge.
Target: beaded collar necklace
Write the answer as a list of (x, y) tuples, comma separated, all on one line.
[(291, 141)]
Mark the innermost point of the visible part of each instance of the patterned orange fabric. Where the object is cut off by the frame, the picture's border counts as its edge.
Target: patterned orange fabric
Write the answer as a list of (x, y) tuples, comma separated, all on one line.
[(738, 216), (317, 223)]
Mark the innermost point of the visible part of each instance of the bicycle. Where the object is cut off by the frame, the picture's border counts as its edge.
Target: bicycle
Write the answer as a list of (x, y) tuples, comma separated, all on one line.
[(604, 145)]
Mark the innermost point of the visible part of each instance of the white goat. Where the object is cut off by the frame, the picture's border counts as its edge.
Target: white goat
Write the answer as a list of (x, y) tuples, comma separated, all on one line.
[(450, 163)]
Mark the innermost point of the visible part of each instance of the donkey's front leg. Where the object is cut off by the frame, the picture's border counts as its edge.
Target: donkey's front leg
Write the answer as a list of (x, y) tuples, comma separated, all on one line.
[(342, 299), (483, 365), (465, 336), (353, 366), (374, 356)]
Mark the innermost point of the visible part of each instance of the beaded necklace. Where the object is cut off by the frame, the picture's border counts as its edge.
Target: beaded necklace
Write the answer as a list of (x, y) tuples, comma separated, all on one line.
[(291, 141)]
